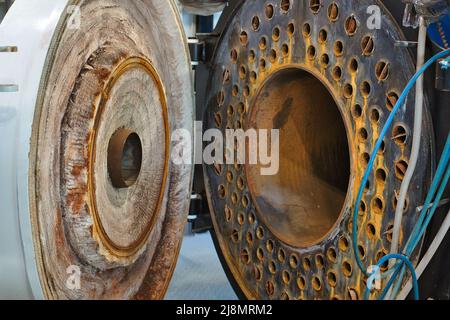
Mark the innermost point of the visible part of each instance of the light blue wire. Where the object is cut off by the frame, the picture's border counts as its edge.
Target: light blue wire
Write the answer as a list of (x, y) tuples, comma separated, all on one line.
[(435, 184), (424, 227), (410, 266), (415, 237), (385, 130), (433, 210)]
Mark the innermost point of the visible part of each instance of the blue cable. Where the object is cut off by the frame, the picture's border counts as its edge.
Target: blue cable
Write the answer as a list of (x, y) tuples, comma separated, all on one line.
[(434, 186), (410, 266), (385, 130), (415, 237)]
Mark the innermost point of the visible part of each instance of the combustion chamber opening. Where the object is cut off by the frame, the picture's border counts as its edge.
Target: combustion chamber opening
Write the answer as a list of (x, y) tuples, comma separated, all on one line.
[(302, 203)]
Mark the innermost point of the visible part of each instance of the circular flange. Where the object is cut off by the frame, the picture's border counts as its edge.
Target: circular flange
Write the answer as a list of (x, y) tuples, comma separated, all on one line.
[(320, 74), (104, 196)]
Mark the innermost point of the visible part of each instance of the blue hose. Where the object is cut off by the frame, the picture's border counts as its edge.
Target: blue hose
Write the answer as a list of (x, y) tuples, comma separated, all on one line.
[(385, 130), (422, 226), (405, 261)]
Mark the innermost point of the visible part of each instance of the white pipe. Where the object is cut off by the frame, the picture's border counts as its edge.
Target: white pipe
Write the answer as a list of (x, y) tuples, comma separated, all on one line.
[(418, 116), (427, 257), (417, 135)]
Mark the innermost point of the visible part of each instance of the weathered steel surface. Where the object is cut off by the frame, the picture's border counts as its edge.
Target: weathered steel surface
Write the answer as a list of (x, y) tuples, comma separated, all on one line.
[(124, 68), (364, 73)]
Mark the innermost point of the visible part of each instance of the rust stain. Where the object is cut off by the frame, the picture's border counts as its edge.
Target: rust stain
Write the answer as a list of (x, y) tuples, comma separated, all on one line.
[(75, 198)]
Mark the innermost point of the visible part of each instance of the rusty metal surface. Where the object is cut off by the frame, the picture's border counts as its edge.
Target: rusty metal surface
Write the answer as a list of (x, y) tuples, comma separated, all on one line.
[(105, 77), (364, 74)]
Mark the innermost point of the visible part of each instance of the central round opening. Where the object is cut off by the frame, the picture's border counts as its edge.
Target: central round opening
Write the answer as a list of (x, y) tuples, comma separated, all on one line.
[(124, 158), (302, 203)]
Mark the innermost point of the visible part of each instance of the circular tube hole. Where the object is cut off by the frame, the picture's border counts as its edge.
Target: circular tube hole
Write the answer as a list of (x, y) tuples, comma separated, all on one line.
[(251, 56), (338, 48), (218, 169), (333, 12), (233, 55), (255, 23), (260, 234), (371, 230), (251, 218), (332, 255), (285, 5), (285, 50), (263, 43), (365, 89), (301, 283), (400, 135), (222, 191), (241, 108), (228, 213), (293, 261), (377, 205), (362, 208), (320, 261), (290, 29), (269, 11), (348, 91), (381, 175), (351, 25), (260, 254), (357, 111), (401, 167), (380, 255), (352, 294), (242, 72), (337, 73), (316, 283), (324, 60), (235, 90), (306, 30), (347, 269), (254, 76), (382, 70), (362, 252), (218, 119), (367, 45), (243, 38), (269, 245), (286, 277), (241, 218), (311, 52), (375, 115), (332, 279), (323, 36), (249, 238), (221, 98), (315, 6), (273, 56), (353, 65), (270, 288), (272, 267), (262, 64), (281, 255), (364, 159), (391, 100), (306, 263), (235, 237), (363, 135), (343, 244), (276, 34), (258, 273)]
